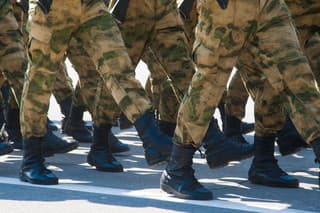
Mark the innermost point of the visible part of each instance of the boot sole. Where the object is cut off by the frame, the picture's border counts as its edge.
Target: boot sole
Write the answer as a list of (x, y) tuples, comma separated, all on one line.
[(66, 150), (116, 151), (153, 161), (213, 165), (170, 190), (272, 184), (7, 151), (51, 182), (101, 169)]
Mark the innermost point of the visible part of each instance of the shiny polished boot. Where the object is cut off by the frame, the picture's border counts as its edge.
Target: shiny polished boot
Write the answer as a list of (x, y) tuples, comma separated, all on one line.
[(75, 126), (33, 169), (315, 144), (157, 145), (220, 150), (5, 148), (53, 144), (289, 140), (264, 169), (178, 177), (124, 123), (100, 154), (167, 127), (116, 146), (232, 129), (13, 128)]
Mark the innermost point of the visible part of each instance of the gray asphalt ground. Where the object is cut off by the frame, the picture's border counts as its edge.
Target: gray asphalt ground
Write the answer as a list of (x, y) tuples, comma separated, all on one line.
[(83, 189)]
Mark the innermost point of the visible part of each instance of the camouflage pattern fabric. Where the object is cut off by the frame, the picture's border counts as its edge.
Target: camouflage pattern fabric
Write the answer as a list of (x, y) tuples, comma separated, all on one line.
[(85, 21), (306, 16), (267, 45), (13, 60), (90, 89), (156, 26), (63, 86)]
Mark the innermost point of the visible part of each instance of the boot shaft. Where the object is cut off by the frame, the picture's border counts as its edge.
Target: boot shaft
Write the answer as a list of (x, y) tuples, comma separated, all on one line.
[(263, 148), (100, 137), (180, 159)]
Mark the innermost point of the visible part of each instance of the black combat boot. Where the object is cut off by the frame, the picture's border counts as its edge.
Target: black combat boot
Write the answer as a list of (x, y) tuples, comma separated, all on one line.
[(33, 169), (75, 126), (53, 144), (124, 123), (51, 126), (100, 154), (167, 127), (232, 129), (315, 144), (220, 150), (116, 146), (264, 169), (244, 128), (13, 128), (178, 177), (157, 145), (5, 148), (289, 140)]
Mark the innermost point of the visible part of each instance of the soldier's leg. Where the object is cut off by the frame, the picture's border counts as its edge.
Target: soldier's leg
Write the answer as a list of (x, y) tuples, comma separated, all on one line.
[(100, 153), (235, 108), (48, 43), (63, 90), (163, 96), (215, 58), (114, 65)]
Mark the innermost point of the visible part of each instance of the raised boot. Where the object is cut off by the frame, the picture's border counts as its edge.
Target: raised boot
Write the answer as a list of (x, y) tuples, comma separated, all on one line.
[(244, 126), (33, 169), (167, 127), (75, 126), (315, 144), (157, 145), (5, 148), (51, 126), (232, 129), (13, 128), (100, 154), (220, 150), (53, 144), (124, 123), (289, 140), (116, 146), (178, 177), (264, 169)]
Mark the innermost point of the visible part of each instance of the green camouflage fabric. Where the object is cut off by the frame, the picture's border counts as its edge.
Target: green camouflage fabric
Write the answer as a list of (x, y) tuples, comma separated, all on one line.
[(156, 26), (269, 110), (259, 35), (90, 24), (234, 99), (63, 86), (13, 60), (90, 90)]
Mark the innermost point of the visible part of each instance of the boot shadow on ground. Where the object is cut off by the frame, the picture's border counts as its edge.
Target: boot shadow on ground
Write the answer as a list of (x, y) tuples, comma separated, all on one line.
[(229, 183)]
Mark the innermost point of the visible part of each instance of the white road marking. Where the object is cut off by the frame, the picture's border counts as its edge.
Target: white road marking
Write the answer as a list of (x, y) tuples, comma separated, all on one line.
[(154, 194)]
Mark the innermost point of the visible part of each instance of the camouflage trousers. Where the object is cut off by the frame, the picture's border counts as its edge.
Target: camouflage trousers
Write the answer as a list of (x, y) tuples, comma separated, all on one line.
[(13, 60), (260, 36), (270, 116), (161, 87), (63, 86), (91, 92), (155, 28), (90, 24)]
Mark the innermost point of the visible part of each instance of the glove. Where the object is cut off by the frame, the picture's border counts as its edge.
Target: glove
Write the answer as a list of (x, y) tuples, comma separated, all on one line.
[(45, 5), (223, 4)]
